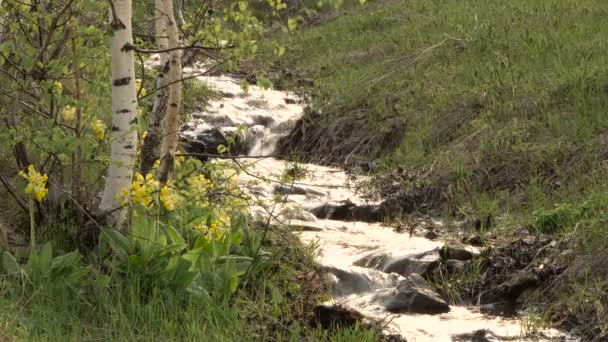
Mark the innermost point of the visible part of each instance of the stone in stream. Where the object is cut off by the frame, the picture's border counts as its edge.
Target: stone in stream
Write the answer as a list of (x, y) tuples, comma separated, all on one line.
[(423, 263), (286, 189), (359, 280), (208, 141), (336, 316), (414, 295), (347, 211)]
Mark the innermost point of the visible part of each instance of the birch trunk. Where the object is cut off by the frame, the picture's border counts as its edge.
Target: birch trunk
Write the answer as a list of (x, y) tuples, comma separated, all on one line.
[(170, 134), (124, 112), (149, 150)]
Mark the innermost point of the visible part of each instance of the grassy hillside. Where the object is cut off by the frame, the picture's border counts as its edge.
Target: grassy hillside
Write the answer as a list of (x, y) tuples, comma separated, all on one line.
[(482, 108)]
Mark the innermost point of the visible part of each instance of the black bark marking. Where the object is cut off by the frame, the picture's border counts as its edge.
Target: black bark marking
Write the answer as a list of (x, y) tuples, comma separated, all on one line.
[(123, 111), (174, 105), (114, 129), (129, 146), (117, 25), (133, 122), (122, 81), (127, 47)]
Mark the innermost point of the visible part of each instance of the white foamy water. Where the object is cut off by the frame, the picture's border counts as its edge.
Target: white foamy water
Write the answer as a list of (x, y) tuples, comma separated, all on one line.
[(268, 115)]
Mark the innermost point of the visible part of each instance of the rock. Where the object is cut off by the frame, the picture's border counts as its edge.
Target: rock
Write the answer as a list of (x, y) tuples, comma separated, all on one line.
[(347, 211), (415, 295), (431, 235), (334, 211), (208, 141), (511, 289), (392, 338), (359, 280), (334, 316), (404, 265), (457, 252), (455, 266), (296, 190), (479, 336), (475, 240)]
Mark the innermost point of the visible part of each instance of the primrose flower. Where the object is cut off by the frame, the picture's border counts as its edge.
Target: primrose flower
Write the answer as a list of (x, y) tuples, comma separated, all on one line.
[(57, 88), (141, 190), (199, 184), (68, 113), (99, 128), (36, 183), (214, 232), (156, 164), (168, 197), (178, 162)]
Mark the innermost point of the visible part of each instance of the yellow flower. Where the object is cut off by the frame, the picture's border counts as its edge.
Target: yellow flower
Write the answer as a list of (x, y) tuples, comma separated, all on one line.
[(141, 190), (156, 164), (57, 88), (199, 184), (68, 113), (36, 183), (178, 162), (99, 128), (168, 197), (141, 91)]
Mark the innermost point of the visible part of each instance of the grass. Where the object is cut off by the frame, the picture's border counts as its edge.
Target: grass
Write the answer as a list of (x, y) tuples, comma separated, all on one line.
[(276, 305), (499, 110), (501, 96)]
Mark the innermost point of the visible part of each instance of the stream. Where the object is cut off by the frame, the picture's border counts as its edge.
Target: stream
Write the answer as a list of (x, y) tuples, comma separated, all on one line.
[(373, 268)]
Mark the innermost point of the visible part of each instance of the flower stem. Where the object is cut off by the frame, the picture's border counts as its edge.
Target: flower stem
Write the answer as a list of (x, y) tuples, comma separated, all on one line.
[(32, 226)]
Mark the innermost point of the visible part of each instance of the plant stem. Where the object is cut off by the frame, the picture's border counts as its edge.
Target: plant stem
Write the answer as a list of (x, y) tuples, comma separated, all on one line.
[(32, 226)]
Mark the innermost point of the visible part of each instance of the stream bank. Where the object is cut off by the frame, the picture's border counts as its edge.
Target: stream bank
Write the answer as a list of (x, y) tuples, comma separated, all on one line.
[(382, 273)]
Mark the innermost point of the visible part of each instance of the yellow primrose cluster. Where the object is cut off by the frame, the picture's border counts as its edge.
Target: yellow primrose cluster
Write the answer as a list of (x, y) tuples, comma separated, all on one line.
[(141, 191), (169, 197), (216, 230), (68, 113), (36, 183), (199, 184), (99, 128)]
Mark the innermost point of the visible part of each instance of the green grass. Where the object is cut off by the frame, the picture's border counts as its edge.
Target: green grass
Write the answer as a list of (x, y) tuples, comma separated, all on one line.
[(499, 109), (275, 305), (501, 95)]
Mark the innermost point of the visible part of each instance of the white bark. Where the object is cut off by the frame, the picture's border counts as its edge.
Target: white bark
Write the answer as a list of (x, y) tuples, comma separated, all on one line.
[(163, 77), (124, 112), (149, 151), (170, 136)]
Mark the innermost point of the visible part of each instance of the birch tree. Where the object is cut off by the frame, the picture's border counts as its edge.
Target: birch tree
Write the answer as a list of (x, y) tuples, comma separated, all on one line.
[(170, 134), (149, 150), (124, 111)]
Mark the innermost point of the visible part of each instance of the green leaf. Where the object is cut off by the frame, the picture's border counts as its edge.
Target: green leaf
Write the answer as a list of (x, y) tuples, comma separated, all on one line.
[(137, 260), (172, 248), (233, 284), (118, 242), (65, 261), (10, 264), (45, 256), (173, 235)]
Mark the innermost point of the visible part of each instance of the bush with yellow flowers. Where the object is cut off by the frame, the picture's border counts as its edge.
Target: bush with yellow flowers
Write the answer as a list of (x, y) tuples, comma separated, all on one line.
[(188, 232)]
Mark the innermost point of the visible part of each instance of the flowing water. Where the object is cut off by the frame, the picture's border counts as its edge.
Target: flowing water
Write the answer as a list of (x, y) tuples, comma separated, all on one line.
[(353, 252)]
